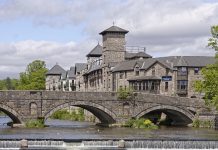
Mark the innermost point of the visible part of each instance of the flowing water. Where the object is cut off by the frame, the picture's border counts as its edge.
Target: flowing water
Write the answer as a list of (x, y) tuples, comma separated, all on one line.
[(85, 135)]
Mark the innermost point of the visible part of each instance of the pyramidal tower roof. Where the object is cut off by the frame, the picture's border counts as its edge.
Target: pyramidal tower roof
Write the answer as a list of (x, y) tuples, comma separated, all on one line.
[(96, 51), (114, 29), (56, 70)]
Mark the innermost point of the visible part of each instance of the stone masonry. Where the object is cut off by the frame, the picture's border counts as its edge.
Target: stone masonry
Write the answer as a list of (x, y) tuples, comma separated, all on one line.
[(24, 105)]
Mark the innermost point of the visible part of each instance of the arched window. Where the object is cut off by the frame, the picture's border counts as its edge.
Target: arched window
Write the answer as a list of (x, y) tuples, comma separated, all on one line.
[(33, 108)]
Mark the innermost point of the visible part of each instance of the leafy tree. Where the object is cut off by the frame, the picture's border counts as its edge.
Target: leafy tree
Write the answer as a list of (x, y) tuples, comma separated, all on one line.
[(34, 77), (209, 84), (8, 84)]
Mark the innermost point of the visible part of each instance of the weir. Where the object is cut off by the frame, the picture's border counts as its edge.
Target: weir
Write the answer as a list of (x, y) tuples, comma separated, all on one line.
[(111, 144)]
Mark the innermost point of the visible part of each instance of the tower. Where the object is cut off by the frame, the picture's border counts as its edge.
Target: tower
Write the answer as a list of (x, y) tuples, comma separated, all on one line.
[(113, 51), (113, 44)]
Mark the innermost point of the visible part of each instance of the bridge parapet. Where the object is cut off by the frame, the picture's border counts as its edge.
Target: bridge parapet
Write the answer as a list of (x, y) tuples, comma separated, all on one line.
[(23, 105)]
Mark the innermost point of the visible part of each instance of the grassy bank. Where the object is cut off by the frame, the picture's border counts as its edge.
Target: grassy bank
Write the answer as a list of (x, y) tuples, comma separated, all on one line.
[(74, 115)]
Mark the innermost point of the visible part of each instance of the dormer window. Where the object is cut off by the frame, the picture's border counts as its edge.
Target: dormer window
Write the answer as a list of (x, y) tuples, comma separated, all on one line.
[(153, 71), (136, 71)]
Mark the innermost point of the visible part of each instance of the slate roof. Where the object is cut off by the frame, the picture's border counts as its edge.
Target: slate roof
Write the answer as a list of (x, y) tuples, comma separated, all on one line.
[(56, 70), (93, 68), (137, 55), (147, 63), (114, 29), (127, 65), (187, 61), (80, 66), (95, 52), (144, 78), (195, 61), (170, 62), (71, 73)]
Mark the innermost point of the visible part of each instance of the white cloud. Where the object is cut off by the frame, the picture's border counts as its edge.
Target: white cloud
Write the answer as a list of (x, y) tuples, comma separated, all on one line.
[(16, 56), (165, 27)]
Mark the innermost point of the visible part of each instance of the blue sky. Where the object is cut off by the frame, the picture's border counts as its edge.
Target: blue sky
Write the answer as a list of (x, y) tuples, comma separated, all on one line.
[(64, 31)]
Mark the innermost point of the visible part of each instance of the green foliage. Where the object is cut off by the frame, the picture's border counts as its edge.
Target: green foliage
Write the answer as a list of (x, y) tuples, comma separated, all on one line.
[(140, 123), (34, 77), (125, 94), (209, 84), (38, 123), (202, 123), (64, 114), (8, 84)]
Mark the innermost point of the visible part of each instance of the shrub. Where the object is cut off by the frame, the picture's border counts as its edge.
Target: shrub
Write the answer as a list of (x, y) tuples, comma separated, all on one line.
[(125, 93), (140, 123), (202, 123), (38, 123), (64, 114)]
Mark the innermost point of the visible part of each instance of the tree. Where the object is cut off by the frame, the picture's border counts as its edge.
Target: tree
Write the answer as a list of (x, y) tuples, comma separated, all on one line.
[(8, 84), (34, 77), (209, 84)]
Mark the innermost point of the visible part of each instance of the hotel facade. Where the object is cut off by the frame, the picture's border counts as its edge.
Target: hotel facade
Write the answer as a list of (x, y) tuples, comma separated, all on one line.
[(114, 65)]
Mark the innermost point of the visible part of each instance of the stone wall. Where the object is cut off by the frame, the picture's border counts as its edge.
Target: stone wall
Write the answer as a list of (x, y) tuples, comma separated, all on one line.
[(53, 82), (104, 105), (192, 77)]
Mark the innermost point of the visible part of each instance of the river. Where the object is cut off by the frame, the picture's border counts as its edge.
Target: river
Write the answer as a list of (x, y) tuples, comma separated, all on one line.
[(72, 131)]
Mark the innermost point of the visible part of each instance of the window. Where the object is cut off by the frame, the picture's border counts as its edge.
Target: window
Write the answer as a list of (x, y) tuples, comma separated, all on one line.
[(109, 83), (166, 86), (137, 71), (182, 71), (153, 71), (121, 75), (125, 74), (140, 86), (196, 71), (182, 85), (135, 86), (167, 71)]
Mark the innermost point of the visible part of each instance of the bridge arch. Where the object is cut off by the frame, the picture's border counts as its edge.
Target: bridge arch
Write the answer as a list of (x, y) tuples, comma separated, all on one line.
[(14, 115), (101, 112), (180, 116)]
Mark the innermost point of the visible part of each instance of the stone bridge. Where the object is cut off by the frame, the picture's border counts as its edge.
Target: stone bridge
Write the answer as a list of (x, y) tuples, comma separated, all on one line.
[(24, 105)]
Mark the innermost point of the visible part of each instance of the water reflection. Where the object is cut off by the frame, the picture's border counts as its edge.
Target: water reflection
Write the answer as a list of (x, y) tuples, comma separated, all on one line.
[(68, 130)]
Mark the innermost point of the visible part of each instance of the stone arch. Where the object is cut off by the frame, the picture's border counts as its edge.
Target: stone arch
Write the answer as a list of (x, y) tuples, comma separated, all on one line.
[(102, 113), (183, 116), (14, 115)]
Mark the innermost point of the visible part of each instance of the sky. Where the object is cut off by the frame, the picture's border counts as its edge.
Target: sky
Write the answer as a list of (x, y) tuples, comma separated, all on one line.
[(64, 31)]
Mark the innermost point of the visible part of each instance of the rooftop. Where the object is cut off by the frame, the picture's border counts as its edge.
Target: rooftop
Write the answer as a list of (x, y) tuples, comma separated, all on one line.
[(114, 29)]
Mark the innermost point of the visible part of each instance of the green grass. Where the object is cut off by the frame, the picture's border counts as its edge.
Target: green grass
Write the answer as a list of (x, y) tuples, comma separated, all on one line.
[(64, 114)]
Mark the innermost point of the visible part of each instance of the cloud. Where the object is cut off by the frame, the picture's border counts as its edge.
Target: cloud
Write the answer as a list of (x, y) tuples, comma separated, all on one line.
[(16, 56), (165, 27)]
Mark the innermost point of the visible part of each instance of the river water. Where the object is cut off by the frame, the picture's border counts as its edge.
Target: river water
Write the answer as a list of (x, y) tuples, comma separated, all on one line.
[(70, 131)]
